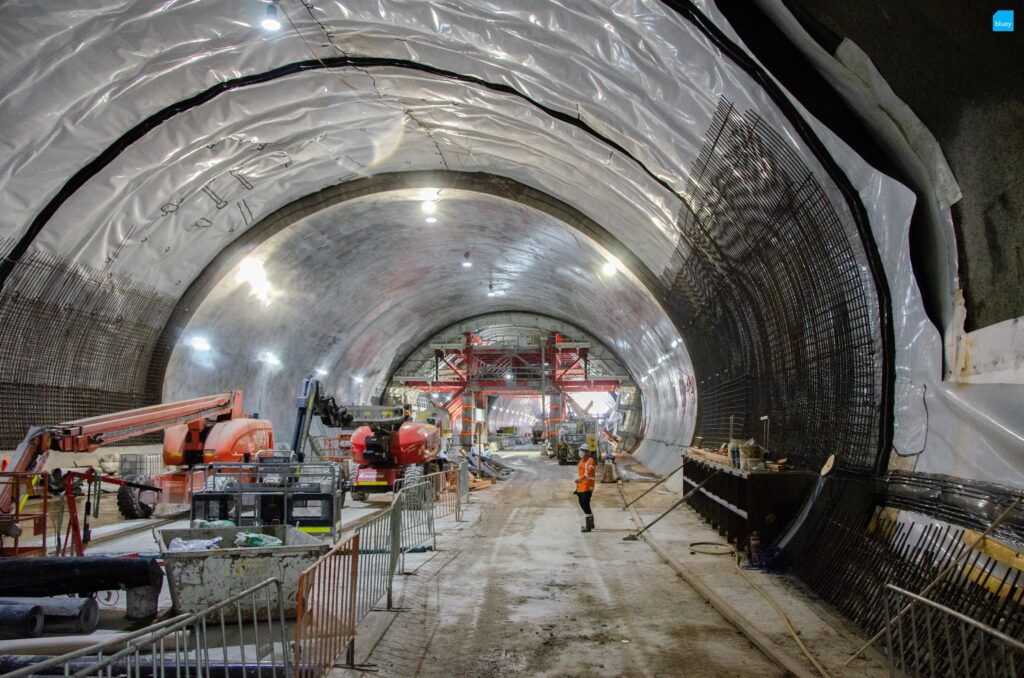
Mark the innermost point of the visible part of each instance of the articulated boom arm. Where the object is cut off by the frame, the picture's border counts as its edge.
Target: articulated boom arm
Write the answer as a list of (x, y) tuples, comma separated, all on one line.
[(85, 435)]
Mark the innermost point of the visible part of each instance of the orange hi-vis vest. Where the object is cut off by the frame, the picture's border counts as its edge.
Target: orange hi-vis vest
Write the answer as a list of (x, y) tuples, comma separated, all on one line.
[(588, 474)]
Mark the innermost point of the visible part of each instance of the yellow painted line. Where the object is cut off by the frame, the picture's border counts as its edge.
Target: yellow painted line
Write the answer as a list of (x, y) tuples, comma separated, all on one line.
[(991, 582), (371, 482), (315, 530), (994, 549)]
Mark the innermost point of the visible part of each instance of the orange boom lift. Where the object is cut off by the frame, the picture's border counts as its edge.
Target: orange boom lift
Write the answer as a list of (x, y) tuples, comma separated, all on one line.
[(197, 431)]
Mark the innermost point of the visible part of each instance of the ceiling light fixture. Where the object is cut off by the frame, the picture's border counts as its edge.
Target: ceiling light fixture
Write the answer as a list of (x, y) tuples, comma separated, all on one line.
[(200, 344), (322, 372), (358, 380), (429, 206), (431, 220), (466, 263), (270, 22), (270, 358)]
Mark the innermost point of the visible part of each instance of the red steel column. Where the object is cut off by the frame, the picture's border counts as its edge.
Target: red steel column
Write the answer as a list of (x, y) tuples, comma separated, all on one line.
[(466, 434), (554, 418)]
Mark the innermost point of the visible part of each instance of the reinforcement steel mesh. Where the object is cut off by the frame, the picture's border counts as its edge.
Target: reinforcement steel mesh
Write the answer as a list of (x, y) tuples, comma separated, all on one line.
[(74, 342), (773, 302)]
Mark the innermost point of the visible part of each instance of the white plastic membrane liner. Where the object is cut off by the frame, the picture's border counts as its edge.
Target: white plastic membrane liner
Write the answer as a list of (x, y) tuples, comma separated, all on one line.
[(77, 77)]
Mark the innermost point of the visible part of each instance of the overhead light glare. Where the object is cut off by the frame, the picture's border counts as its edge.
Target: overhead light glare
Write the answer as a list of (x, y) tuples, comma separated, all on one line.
[(612, 266), (200, 344), (431, 220), (428, 206), (270, 358), (251, 271), (467, 264), (322, 372), (358, 380), (508, 376), (270, 22)]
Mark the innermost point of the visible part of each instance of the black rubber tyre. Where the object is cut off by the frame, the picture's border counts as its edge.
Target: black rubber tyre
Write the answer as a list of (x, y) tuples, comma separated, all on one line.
[(410, 477), (413, 472), (128, 500)]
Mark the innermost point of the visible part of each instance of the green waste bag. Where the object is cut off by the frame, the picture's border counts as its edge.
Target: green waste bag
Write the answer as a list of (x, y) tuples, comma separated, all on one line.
[(256, 540)]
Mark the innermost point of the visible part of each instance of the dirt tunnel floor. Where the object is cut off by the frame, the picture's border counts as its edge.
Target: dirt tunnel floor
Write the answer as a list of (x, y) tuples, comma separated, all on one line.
[(520, 590)]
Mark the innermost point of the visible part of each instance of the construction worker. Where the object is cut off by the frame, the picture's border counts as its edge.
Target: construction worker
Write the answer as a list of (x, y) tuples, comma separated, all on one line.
[(587, 474)]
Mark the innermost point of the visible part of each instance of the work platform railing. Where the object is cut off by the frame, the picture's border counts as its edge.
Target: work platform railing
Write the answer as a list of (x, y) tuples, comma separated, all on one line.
[(924, 638), (26, 522)]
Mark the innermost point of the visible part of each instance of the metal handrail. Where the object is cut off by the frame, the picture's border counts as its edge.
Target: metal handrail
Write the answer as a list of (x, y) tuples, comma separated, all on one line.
[(1009, 640), (154, 633)]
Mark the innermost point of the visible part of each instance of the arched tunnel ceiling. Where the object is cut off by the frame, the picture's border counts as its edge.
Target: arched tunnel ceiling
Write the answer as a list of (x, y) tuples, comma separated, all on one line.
[(355, 287), (167, 133)]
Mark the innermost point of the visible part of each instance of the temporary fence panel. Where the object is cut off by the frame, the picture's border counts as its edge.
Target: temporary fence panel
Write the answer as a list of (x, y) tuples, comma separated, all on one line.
[(933, 640), (220, 641), (446, 492), (416, 504), (375, 568), (451, 487), (341, 588), (326, 624)]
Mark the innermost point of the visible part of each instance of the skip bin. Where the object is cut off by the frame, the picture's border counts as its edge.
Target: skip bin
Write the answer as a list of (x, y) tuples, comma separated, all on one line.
[(201, 579)]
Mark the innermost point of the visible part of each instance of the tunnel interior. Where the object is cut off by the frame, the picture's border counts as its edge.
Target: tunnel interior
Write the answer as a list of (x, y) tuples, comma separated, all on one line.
[(198, 205)]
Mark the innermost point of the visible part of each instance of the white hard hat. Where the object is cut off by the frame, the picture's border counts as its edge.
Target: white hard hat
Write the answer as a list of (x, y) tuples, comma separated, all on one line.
[(585, 448)]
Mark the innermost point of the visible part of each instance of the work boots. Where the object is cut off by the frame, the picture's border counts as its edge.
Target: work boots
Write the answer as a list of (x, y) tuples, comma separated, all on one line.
[(589, 526)]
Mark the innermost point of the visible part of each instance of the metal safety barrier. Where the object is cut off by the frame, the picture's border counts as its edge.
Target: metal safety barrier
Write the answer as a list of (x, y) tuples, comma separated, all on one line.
[(326, 624), (930, 639), (414, 505), (375, 566), (447, 493), (451, 489), (241, 636), (341, 588)]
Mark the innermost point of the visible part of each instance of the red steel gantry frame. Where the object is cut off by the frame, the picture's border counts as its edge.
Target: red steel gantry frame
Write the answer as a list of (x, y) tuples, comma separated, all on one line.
[(473, 370)]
